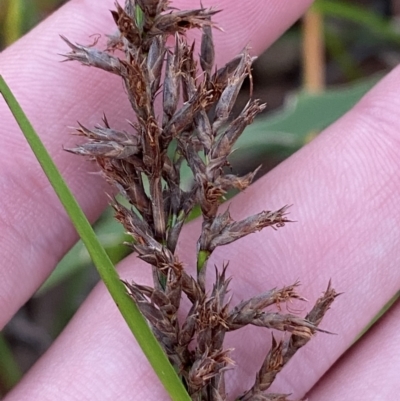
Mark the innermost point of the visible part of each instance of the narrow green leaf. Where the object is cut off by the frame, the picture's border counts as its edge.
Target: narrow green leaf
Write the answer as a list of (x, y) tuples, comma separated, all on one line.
[(127, 307)]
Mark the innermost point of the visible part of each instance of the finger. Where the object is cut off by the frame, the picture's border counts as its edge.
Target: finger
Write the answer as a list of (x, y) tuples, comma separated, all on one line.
[(54, 97), (344, 188), (370, 370)]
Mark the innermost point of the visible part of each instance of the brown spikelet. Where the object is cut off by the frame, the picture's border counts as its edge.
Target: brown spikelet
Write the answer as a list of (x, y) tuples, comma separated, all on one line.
[(194, 127)]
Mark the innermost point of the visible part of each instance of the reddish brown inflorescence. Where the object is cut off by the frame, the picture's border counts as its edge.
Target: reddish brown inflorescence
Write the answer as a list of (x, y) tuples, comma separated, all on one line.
[(145, 164)]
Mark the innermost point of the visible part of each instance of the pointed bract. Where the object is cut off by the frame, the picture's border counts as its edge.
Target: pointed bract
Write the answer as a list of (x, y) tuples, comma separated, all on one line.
[(194, 127)]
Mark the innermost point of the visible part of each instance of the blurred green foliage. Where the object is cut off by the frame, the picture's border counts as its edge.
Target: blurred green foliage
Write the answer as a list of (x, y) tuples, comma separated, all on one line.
[(19, 16), (10, 372), (376, 24)]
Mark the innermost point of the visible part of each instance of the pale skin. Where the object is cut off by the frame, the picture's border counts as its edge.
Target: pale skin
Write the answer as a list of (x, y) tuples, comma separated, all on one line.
[(344, 186)]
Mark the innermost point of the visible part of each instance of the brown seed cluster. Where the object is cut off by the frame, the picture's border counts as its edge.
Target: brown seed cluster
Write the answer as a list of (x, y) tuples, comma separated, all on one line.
[(145, 166)]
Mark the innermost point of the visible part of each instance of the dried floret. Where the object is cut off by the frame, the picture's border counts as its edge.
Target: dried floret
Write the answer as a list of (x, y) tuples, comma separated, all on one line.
[(145, 166)]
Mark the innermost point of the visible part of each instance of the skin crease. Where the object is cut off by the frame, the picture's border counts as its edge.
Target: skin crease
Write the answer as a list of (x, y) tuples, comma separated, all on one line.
[(344, 187)]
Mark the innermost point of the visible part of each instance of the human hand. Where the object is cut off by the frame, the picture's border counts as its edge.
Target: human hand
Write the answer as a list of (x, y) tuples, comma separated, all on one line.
[(343, 186)]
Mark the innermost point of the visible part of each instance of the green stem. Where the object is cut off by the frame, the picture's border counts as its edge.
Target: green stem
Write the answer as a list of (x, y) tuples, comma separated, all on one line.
[(202, 258), (107, 272), (139, 18)]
